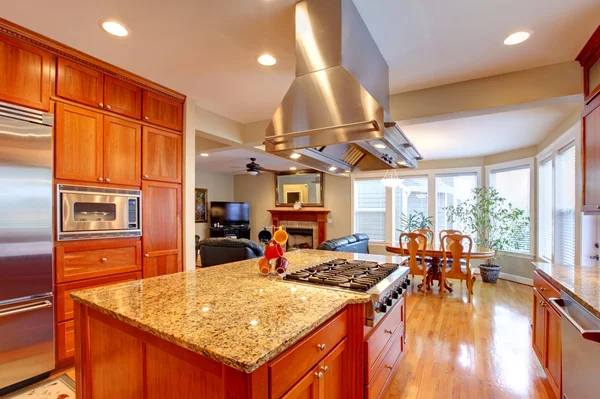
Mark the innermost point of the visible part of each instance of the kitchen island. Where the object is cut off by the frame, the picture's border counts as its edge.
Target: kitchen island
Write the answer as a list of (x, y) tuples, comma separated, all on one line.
[(229, 332)]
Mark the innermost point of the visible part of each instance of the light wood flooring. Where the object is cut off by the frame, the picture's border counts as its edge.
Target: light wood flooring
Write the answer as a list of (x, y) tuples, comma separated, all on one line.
[(478, 350), (461, 350)]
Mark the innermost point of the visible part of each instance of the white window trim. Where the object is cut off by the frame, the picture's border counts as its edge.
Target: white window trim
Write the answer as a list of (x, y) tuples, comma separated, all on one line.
[(525, 162), (571, 135)]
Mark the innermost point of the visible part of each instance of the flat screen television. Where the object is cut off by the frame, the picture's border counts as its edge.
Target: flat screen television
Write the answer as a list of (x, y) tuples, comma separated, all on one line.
[(228, 213)]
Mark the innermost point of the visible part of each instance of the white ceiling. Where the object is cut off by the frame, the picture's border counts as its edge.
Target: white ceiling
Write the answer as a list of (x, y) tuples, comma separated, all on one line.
[(208, 49), (487, 134), (235, 160)]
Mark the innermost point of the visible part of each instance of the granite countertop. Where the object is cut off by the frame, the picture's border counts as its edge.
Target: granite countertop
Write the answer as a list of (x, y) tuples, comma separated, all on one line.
[(229, 313), (582, 283)]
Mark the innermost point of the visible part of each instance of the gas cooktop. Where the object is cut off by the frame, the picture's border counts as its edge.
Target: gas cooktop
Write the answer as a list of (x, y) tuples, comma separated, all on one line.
[(385, 282)]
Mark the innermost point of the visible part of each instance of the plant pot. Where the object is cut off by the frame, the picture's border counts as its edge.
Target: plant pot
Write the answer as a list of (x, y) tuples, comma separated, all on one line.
[(489, 274)]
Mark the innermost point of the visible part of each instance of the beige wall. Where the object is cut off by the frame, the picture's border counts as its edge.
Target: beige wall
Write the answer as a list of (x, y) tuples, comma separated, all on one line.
[(220, 188), (259, 191)]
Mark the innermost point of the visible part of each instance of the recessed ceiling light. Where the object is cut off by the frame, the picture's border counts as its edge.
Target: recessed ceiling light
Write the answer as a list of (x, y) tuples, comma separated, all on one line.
[(295, 155), (517, 37), (403, 163), (293, 168), (380, 146), (332, 169), (267, 60), (115, 28), (204, 154)]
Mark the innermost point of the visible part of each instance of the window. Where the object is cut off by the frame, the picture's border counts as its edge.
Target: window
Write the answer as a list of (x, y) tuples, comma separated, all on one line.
[(545, 206), (451, 190), (564, 212), (369, 208), (410, 200), (514, 185)]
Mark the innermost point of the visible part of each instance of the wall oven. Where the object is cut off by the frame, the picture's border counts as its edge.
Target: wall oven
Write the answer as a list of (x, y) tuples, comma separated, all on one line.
[(98, 212)]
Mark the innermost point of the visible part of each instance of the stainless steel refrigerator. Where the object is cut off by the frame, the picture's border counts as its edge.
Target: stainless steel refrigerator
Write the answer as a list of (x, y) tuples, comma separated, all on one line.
[(26, 301)]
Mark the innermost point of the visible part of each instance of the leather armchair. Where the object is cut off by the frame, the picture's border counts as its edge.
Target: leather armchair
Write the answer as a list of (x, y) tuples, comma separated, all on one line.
[(217, 251), (357, 243)]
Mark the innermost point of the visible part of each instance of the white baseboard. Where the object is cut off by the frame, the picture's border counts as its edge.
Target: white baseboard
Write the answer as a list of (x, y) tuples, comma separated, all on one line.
[(516, 279)]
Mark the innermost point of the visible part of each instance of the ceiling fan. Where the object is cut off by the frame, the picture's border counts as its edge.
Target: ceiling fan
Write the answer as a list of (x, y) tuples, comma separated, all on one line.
[(253, 168)]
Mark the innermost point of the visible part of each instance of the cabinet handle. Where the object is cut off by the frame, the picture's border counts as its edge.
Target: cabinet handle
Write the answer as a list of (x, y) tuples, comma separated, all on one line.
[(145, 176), (108, 179), (147, 255), (145, 117), (322, 346), (599, 207), (387, 366), (101, 105), (108, 106), (100, 179), (319, 375), (543, 289), (324, 369), (388, 331), (104, 259)]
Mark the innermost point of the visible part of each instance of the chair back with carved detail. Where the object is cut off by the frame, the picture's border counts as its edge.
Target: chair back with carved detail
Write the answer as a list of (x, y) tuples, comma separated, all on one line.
[(413, 245), (456, 247), (427, 233), (444, 233)]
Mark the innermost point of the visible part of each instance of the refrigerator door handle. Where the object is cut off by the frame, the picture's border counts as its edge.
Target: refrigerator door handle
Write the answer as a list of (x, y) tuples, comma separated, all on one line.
[(27, 308)]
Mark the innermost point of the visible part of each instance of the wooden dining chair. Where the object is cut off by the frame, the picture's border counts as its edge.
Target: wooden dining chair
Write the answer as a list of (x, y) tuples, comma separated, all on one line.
[(444, 233), (427, 233), (414, 246), (454, 248)]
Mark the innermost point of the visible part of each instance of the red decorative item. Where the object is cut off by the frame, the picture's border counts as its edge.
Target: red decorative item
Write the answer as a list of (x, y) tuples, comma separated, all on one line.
[(264, 266), (273, 250), (281, 265)]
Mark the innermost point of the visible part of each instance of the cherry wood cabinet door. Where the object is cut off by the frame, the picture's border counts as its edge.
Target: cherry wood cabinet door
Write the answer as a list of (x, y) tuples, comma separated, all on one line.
[(24, 74), (307, 387), (333, 368), (591, 156), (161, 228), (79, 83), (78, 145), (162, 111), (161, 155), (553, 363), (122, 97), (539, 325), (122, 151)]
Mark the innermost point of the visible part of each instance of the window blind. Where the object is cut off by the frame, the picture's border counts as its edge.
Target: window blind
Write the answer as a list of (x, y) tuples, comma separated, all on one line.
[(564, 213), (545, 221), (410, 198), (369, 208), (452, 190)]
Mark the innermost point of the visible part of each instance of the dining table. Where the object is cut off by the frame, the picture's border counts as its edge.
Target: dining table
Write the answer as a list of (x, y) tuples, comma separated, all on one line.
[(436, 259)]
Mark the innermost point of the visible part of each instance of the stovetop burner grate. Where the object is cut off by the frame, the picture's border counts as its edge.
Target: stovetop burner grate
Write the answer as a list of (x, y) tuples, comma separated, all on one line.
[(355, 275)]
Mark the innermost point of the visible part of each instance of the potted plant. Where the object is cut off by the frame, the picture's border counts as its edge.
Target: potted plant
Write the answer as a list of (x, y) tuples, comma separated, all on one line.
[(416, 220), (493, 223)]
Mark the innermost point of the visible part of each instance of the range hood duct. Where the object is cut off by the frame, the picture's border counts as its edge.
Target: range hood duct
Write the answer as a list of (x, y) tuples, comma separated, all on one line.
[(340, 96)]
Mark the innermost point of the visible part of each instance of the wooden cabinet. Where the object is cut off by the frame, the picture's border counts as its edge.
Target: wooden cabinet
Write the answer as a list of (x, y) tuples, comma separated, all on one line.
[(161, 228), (307, 388), (333, 369), (591, 156), (379, 338), (547, 332), (65, 340), (122, 97), (122, 151), (161, 155), (24, 74), (78, 144), (79, 83), (162, 111)]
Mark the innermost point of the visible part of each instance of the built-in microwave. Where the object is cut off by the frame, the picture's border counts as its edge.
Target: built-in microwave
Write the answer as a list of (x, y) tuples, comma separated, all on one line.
[(98, 212)]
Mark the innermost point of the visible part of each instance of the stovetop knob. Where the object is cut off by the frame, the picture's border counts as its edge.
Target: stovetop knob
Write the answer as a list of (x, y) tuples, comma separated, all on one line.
[(388, 301), (405, 285), (382, 308), (395, 294), (399, 290)]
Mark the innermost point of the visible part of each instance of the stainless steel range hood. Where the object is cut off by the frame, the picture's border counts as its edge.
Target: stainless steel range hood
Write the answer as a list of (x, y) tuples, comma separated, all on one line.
[(335, 114)]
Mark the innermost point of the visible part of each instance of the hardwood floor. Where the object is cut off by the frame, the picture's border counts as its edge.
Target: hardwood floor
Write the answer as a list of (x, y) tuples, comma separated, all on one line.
[(482, 350), (457, 350)]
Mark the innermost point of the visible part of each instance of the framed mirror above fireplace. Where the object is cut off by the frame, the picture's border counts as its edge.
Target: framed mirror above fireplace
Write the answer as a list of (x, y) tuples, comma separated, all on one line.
[(305, 186)]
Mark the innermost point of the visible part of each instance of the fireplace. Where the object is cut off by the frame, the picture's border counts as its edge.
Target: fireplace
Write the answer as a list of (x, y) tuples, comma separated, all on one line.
[(299, 238)]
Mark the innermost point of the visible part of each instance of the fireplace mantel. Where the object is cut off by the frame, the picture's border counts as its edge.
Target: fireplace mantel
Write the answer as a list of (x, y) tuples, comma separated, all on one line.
[(318, 215)]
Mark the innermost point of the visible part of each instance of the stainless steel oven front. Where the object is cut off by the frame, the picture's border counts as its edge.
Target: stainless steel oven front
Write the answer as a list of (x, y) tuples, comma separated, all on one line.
[(98, 212)]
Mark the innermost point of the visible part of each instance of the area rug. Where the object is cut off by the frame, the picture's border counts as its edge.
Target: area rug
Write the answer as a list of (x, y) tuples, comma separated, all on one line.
[(61, 387)]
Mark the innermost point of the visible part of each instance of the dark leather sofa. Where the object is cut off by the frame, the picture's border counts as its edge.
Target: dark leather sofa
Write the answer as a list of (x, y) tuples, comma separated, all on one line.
[(357, 243), (217, 251)]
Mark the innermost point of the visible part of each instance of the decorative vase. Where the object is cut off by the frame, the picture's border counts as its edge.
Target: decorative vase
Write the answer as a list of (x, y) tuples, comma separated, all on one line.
[(489, 274)]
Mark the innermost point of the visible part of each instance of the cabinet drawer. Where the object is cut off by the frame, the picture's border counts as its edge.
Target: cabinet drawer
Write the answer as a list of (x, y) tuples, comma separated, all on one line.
[(392, 354), (297, 361), (64, 303), (89, 260), (544, 287), (65, 340), (380, 337)]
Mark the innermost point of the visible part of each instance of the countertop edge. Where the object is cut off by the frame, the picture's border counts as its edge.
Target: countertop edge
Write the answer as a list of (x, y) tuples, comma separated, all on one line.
[(231, 362)]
